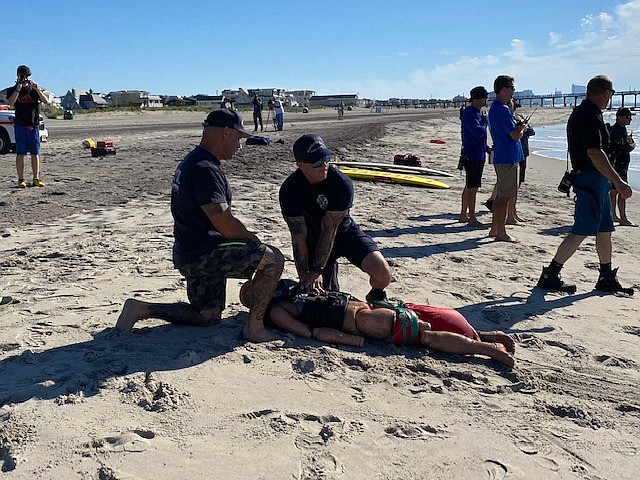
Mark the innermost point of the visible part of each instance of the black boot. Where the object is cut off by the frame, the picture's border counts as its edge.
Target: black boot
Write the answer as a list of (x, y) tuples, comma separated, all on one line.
[(550, 280), (607, 282)]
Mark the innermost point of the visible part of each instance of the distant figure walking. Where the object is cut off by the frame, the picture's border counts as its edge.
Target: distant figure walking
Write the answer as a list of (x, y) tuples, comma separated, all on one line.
[(340, 110)]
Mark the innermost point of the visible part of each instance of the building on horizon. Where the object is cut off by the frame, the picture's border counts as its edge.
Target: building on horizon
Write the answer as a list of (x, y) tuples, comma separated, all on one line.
[(578, 89)]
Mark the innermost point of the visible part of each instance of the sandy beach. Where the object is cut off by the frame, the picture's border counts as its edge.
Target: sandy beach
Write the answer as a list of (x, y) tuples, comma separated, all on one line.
[(81, 400)]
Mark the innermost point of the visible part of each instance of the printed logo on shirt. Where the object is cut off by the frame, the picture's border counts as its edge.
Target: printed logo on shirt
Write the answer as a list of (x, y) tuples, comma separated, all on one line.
[(322, 201)]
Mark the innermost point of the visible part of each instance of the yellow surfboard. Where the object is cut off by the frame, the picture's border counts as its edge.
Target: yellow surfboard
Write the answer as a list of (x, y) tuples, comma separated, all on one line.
[(391, 177)]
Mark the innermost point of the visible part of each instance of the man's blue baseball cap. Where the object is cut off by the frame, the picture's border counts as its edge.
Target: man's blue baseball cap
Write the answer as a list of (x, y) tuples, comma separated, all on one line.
[(310, 148)]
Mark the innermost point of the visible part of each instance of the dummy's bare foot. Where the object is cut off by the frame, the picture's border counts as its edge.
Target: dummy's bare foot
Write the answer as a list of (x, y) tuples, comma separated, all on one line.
[(627, 223), (499, 337), (499, 353), (476, 223), (132, 311), (259, 335), (506, 238)]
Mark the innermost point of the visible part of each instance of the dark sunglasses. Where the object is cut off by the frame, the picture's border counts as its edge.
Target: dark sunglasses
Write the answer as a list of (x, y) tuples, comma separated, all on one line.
[(319, 163)]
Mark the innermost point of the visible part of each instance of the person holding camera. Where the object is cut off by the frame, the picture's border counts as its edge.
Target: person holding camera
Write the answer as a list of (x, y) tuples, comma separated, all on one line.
[(506, 135), (25, 97), (588, 140), (474, 151), (257, 112)]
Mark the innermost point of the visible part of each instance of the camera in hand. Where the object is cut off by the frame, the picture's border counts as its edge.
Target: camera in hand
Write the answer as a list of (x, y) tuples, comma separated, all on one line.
[(461, 162), (567, 181)]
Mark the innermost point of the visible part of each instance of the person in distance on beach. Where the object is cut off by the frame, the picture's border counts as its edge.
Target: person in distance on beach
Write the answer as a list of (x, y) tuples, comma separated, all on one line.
[(622, 145), (26, 97), (506, 135), (315, 202), (211, 244), (278, 110), (474, 151), (588, 140), (337, 317), (257, 112)]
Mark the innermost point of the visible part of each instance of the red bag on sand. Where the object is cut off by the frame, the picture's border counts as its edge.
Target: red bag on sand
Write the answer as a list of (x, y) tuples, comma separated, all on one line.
[(409, 159)]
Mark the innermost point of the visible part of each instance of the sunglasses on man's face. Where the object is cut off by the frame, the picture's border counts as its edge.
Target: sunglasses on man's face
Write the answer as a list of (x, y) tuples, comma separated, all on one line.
[(319, 163)]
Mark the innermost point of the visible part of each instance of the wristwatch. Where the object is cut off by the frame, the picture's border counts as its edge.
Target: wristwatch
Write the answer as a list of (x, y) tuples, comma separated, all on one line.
[(317, 270)]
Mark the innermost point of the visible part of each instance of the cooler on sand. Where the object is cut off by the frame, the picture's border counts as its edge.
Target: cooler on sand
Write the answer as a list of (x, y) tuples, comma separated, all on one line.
[(102, 148)]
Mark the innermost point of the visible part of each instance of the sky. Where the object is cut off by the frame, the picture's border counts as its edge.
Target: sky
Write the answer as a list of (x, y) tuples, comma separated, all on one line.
[(377, 49)]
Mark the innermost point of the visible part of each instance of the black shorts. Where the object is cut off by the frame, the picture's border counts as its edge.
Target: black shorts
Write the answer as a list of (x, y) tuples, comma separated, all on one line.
[(324, 309), (353, 244), (473, 173), (207, 276)]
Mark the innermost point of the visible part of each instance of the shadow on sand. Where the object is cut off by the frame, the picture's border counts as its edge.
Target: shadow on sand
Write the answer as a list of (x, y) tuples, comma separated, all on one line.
[(83, 367)]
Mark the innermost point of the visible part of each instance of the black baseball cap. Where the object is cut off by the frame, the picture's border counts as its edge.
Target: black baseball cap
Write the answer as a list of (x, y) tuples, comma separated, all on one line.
[(624, 112), (478, 93), (310, 148), (225, 118)]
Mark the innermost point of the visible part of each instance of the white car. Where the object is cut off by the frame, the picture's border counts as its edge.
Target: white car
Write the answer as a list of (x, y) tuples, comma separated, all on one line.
[(7, 133)]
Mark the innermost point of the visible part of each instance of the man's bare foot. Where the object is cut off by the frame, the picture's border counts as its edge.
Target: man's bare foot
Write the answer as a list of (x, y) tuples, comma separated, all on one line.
[(520, 219), (506, 238), (463, 219), (498, 352), (499, 337), (259, 335), (474, 222), (616, 219), (512, 221), (492, 233), (132, 311), (627, 223)]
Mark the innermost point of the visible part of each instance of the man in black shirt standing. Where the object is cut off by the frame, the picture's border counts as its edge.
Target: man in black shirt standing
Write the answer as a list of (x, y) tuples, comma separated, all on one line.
[(25, 97), (588, 140), (315, 202), (622, 145)]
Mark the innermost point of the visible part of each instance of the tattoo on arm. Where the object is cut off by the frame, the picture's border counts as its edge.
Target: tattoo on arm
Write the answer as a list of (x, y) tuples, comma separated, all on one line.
[(330, 223), (298, 229)]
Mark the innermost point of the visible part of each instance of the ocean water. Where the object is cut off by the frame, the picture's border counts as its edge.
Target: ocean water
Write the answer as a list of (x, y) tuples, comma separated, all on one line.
[(551, 141)]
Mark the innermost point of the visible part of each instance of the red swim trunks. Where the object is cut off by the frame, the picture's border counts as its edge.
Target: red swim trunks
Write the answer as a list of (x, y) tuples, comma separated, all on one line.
[(444, 319)]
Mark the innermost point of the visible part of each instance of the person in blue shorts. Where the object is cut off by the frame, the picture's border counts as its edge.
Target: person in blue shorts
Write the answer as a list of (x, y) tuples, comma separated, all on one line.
[(25, 97), (588, 142), (211, 244), (315, 202)]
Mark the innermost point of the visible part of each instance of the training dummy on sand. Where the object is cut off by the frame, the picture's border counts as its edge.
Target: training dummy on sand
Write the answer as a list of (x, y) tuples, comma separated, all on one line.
[(337, 317)]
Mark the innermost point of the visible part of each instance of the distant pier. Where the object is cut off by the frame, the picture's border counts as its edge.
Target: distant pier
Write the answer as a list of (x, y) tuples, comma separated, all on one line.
[(627, 98)]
